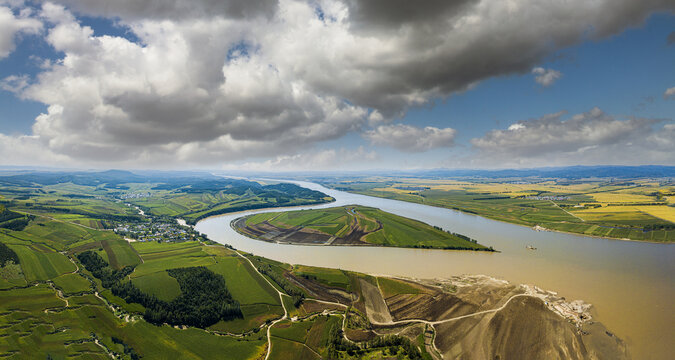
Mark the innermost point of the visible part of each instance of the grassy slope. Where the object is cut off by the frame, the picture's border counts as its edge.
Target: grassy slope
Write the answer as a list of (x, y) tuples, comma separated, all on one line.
[(193, 206), (294, 340), (326, 276), (160, 284)]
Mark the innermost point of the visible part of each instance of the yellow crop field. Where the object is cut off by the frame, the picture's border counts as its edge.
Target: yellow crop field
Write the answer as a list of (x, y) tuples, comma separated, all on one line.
[(606, 209), (612, 213), (660, 211), (394, 190), (616, 197)]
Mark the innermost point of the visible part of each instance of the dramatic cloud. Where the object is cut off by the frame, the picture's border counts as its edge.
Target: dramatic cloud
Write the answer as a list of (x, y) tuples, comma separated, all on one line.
[(669, 93), (591, 137), (11, 26), (113, 99), (410, 138), (208, 81), (174, 9), (546, 77)]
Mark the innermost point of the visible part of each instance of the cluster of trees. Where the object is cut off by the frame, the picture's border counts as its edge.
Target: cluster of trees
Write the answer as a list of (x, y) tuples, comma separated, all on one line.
[(13, 221), (204, 298), (17, 224), (6, 215), (418, 246), (337, 343), (652, 227), (100, 269), (464, 237), (7, 254), (290, 289), (127, 349)]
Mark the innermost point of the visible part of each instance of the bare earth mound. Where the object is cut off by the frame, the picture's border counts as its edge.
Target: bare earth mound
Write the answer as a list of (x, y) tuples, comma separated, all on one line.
[(479, 317)]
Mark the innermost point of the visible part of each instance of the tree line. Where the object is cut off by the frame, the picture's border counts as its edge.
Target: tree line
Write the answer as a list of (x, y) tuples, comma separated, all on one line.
[(290, 289)]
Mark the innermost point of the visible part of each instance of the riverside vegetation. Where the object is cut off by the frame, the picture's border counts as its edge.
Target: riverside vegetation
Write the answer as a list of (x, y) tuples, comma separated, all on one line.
[(69, 288)]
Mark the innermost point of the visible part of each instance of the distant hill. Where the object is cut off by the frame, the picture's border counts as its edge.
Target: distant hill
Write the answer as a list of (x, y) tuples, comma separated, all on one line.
[(111, 178)]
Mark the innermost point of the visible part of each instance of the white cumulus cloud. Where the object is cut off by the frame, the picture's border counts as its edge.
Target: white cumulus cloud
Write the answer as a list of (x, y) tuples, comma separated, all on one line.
[(670, 92), (546, 77), (588, 138), (410, 138), (11, 26)]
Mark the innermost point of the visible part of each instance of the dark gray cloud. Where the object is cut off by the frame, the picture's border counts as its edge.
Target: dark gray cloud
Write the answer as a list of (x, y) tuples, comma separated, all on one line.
[(399, 13), (173, 9)]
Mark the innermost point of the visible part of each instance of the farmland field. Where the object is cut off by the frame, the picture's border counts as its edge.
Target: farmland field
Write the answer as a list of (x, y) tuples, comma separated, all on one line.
[(351, 225), (239, 276), (39, 265), (329, 277), (72, 283), (120, 253), (636, 210)]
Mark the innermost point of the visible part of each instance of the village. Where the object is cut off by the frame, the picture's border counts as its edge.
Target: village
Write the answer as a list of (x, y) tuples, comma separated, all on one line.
[(157, 229)]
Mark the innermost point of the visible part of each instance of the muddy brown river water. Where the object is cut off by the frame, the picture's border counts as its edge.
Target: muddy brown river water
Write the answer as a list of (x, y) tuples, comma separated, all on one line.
[(630, 284)]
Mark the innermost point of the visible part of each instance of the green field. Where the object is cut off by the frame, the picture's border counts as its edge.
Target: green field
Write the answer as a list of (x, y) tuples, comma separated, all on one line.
[(72, 283), (239, 276), (120, 253), (302, 340), (160, 284), (378, 227), (329, 277), (41, 265), (391, 287), (180, 255)]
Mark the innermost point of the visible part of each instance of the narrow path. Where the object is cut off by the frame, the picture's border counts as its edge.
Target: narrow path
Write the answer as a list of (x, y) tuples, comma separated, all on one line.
[(451, 319), (569, 213), (281, 299), (63, 221)]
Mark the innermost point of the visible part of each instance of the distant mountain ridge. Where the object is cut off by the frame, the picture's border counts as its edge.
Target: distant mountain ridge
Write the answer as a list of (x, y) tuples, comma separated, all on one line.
[(568, 172)]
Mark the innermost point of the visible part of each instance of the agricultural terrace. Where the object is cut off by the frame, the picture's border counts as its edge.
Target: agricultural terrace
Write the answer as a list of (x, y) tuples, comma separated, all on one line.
[(639, 209), (350, 225)]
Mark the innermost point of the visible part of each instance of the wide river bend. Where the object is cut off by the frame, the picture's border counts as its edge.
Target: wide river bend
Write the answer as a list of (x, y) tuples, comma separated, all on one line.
[(631, 284)]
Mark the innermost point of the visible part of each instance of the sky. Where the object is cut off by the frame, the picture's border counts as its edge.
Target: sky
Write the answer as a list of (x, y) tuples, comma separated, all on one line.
[(336, 84)]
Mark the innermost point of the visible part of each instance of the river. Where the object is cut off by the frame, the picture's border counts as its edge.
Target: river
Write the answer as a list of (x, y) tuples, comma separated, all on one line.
[(631, 284)]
